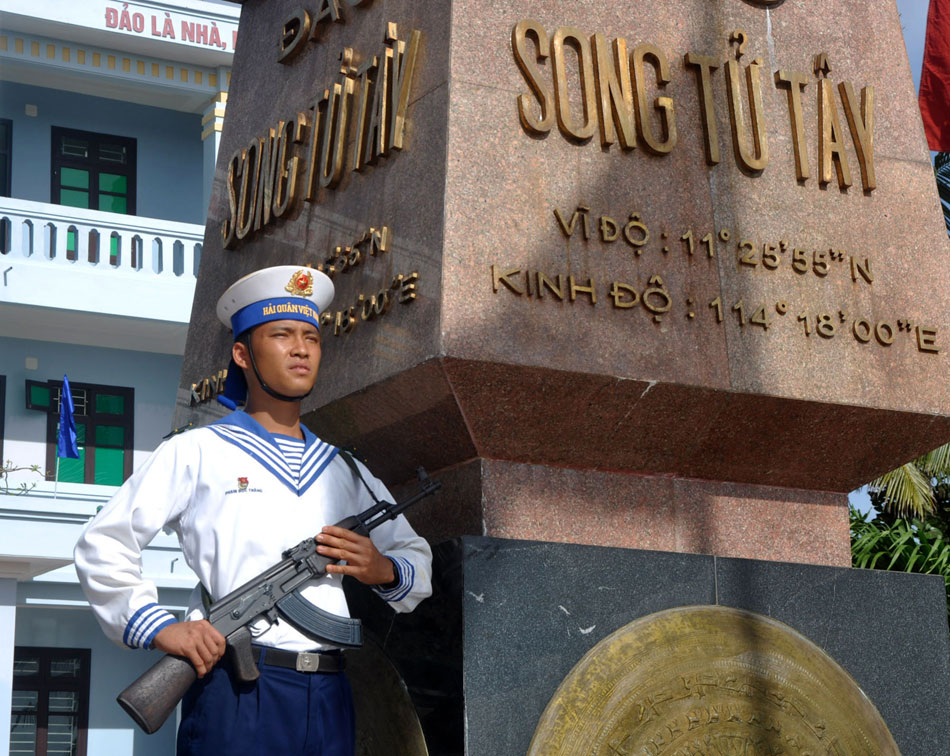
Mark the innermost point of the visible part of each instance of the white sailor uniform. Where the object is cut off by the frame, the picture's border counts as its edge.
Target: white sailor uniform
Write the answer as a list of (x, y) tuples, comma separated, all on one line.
[(236, 503), (238, 496)]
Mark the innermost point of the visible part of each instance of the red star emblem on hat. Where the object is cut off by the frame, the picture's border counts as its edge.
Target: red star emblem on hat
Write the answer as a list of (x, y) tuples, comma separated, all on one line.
[(301, 284)]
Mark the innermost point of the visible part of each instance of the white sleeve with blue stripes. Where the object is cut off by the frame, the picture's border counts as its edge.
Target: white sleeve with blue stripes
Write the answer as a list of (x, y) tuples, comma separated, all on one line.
[(108, 555), (409, 553)]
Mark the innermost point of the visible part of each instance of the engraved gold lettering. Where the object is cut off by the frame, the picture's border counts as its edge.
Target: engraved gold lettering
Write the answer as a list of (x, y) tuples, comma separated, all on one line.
[(861, 330), (333, 138), (249, 173), (581, 212), (589, 289), (319, 117), (830, 147), (296, 31), (361, 149), (705, 65), (266, 174), (285, 188), (624, 295), (400, 84), (377, 132), (884, 333), (527, 64), (752, 159), (609, 229), (327, 10), (614, 93), (927, 339), (794, 83), (501, 278), (544, 282), (346, 320), (574, 38), (861, 123), (799, 261), (663, 104), (229, 226), (407, 288)]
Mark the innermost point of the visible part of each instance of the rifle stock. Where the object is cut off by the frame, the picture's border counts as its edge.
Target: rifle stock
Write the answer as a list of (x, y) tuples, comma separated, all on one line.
[(153, 696)]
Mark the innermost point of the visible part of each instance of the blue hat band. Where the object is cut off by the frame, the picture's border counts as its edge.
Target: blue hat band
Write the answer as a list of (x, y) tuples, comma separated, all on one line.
[(282, 308)]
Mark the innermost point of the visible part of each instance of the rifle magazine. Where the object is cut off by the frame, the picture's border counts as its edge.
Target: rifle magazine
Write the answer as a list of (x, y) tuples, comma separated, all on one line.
[(319, 624)]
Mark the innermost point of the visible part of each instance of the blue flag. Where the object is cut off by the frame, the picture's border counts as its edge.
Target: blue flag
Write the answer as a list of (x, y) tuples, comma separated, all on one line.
[(66, 443)]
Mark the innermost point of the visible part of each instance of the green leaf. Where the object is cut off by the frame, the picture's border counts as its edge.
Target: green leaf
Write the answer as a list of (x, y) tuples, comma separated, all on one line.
[(906, 490), (936, 463)]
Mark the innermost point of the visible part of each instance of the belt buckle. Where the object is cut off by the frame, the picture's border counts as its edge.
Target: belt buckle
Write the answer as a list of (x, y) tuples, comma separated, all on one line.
[(308, 662)]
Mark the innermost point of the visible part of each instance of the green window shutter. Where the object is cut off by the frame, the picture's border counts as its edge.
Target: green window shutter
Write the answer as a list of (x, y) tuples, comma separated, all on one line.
[(74, 470), (111, 203), (38, 396), (108, 466), (110, 436), (110, 404), (73, 198), (113, 182), (73, 178)]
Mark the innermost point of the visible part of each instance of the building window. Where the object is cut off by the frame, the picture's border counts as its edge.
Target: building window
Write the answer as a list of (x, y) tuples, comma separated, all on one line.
[(95, 172), (104, 426), (50, 701)]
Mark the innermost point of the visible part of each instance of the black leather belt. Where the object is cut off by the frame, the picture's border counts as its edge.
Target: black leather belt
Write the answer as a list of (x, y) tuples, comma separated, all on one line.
[(324, 662)]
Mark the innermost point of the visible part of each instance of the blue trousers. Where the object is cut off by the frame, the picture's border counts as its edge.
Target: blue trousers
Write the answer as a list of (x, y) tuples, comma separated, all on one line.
[(283, 712)]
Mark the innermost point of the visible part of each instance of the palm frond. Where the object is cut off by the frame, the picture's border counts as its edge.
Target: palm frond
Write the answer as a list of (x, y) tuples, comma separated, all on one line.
[(904, 546), (935, 463), (906, 491)]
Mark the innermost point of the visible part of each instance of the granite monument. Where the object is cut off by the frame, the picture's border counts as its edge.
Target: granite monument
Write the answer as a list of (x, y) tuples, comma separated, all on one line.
[(649, 286)]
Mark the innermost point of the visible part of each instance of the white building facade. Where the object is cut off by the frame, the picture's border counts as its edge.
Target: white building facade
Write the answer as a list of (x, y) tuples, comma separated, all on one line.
[(110, 117)]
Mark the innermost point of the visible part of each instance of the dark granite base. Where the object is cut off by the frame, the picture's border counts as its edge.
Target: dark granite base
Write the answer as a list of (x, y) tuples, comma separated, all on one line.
[(510, 619)]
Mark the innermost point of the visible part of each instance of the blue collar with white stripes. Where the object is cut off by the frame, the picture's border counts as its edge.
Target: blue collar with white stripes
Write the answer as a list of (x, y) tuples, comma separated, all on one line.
[(245, 432)]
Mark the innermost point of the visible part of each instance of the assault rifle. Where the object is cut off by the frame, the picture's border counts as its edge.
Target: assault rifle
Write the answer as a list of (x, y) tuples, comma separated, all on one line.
[(272, 594)]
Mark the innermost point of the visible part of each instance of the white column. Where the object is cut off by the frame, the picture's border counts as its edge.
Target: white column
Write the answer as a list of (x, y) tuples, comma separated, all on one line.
[(7, 632), (211, 124)]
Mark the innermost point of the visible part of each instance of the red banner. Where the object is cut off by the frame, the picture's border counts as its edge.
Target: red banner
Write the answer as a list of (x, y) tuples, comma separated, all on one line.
[(935, 77)]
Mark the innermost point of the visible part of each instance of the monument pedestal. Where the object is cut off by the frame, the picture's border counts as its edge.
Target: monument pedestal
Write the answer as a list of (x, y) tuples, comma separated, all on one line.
[(641, 275), (661, 513), (510, 619)]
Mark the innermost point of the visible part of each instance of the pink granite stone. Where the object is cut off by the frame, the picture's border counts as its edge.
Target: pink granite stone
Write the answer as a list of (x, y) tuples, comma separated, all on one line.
[(510, 500), (728, 422)]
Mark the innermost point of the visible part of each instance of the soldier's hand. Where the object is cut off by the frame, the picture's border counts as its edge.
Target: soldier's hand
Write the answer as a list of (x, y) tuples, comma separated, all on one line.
[(197, 641), (363, 560)]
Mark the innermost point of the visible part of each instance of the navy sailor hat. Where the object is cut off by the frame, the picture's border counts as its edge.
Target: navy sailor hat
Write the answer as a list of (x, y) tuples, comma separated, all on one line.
[(282, 292)]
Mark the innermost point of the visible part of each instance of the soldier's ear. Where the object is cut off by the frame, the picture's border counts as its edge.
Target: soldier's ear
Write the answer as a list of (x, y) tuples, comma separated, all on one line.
[(240, 356)]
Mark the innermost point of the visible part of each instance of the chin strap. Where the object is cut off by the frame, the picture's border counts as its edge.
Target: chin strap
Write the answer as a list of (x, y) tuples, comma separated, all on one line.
[(246, 339)]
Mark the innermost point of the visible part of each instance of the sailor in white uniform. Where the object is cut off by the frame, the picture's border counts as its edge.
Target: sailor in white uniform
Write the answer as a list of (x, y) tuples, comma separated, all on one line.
[(238, 493)]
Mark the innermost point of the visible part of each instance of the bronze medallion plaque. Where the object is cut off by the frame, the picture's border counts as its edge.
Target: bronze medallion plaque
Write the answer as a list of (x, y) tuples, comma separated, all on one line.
[(386, 720), (709, 681)]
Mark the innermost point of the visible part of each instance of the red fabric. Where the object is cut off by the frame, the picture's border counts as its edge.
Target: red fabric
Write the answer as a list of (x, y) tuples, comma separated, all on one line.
[(935, 77)]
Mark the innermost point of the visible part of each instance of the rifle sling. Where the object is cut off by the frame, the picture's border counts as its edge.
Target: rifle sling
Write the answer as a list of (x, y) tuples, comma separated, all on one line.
[(351, 463)]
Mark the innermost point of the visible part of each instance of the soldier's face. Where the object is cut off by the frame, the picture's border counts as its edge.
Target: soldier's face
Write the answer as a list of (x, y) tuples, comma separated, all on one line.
[(287, 353)]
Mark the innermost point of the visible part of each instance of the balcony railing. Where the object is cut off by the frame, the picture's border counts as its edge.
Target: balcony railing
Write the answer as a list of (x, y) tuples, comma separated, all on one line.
[(41, 233)]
